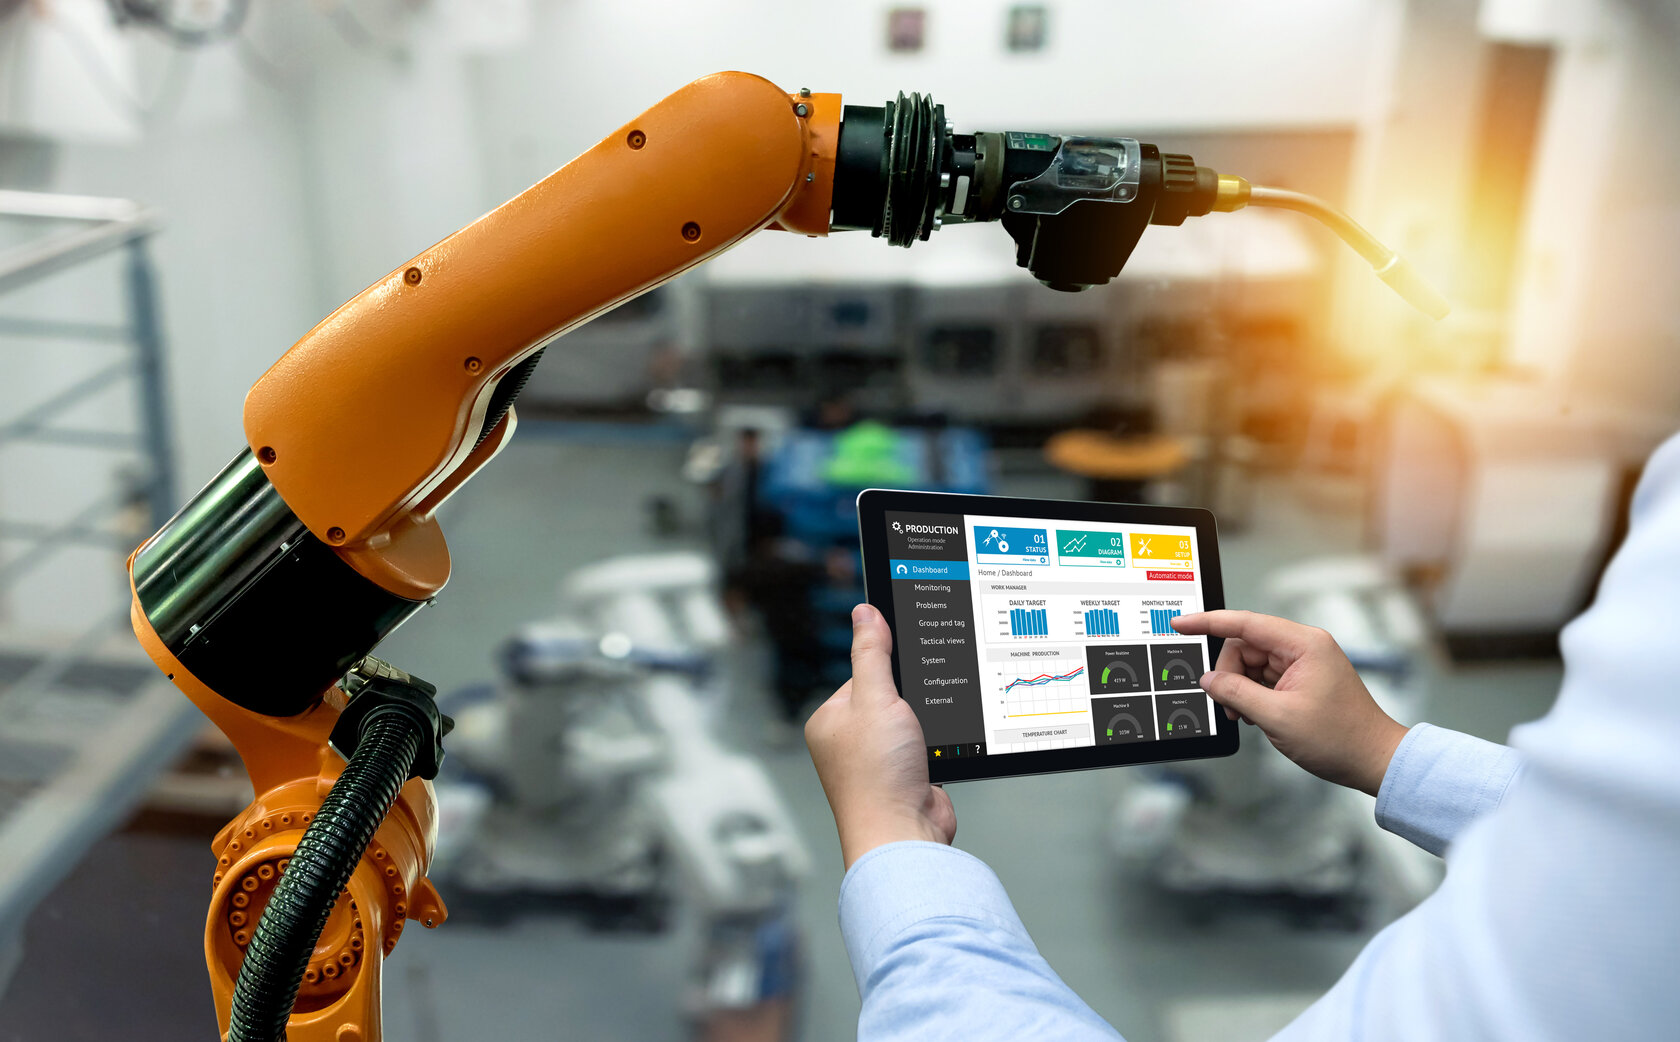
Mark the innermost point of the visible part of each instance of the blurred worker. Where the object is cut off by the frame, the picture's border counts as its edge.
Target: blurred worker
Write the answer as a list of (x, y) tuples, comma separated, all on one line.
[(776, 580), (1559, 917)]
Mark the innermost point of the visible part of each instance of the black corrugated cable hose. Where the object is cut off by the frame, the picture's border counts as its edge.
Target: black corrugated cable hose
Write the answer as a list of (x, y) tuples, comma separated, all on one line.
[(325, 857)]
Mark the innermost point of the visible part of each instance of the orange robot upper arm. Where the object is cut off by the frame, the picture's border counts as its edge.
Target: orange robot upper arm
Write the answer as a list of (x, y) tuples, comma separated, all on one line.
[(373, 410)]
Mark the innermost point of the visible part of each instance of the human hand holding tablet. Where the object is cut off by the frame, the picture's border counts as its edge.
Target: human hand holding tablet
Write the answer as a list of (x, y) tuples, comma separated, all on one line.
[(867, 748), (1033, 636)]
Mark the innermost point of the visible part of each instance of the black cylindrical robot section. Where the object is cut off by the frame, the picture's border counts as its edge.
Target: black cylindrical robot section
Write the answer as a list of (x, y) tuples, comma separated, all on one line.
[(252, 603), (860, 169), (892, 171)]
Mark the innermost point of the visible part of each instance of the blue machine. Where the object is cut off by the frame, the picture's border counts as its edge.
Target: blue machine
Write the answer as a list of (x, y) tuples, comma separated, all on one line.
[(811, 482)]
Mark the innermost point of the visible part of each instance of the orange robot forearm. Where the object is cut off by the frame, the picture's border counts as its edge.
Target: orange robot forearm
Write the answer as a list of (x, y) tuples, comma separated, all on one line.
[(368, 419)]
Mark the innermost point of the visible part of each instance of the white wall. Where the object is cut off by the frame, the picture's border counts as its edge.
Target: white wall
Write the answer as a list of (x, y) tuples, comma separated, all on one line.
[(1108, 64), (1411, 170), (392, 153), (236, 274), (1595, 308)]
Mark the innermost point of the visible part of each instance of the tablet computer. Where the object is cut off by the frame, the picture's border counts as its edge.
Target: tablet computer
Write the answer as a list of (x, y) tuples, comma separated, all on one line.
[(1035, 635)]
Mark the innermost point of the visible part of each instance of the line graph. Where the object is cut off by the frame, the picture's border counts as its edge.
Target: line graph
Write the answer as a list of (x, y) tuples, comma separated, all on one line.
[(1041, 680), (1049, 687)]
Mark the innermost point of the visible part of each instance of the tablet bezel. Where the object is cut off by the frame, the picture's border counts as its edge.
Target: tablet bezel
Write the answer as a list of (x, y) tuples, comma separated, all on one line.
[(872, 505)]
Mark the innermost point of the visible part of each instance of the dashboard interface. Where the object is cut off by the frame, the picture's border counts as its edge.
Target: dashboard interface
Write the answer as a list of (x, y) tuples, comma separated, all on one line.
[(1032, 634)]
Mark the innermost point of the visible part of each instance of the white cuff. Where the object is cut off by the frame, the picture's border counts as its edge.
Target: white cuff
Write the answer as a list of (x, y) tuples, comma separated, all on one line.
[(1439, 781)]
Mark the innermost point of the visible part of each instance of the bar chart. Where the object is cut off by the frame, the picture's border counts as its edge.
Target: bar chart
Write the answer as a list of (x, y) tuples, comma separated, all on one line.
[(1102, 622), (1061, 612), (1160, 622), (1029, 622)]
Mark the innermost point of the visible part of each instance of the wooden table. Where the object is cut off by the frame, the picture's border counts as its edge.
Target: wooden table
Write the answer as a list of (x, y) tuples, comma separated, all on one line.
[(1117, 467)]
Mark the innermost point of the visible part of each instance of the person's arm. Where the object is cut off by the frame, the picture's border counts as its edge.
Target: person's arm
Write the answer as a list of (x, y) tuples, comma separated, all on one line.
[(1440, 781), (939, 952), (1297, 686), (1557, 918), (936, 946)]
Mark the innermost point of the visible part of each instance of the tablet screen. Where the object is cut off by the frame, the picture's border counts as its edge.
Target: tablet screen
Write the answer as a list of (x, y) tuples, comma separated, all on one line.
[(1032, 634)]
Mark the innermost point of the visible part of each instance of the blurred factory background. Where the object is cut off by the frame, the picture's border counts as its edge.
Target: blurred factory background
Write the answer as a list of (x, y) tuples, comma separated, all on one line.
[(651, 584)]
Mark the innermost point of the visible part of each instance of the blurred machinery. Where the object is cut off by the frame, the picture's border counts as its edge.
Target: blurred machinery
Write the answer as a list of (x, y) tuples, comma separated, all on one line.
[(784, 512), (593, 777), (1256, 829), (1470, 481), (962, 339), (621, 357), (787, 344)]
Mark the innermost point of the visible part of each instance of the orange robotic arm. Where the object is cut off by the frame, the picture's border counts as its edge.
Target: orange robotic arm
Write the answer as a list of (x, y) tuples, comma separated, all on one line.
[(263, 597), (274, 582)]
